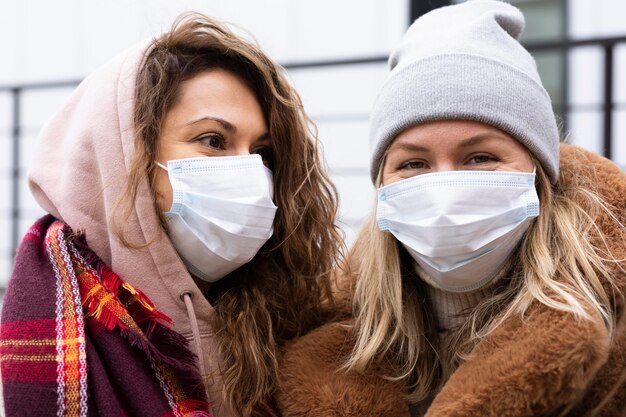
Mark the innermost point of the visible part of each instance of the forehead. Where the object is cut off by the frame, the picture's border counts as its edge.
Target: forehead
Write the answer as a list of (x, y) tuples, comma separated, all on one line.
[(216, 83), (450, 134), (220, 94)]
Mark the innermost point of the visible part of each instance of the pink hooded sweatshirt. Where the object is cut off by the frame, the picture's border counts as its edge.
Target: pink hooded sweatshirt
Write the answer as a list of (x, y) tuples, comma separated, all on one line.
[(78, 173)]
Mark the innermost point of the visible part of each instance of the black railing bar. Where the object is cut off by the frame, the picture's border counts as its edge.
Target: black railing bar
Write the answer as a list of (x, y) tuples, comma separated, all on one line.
[(565, 70), (44, 85), (589, 107), (608, 101), (573, 43), (376, 59)]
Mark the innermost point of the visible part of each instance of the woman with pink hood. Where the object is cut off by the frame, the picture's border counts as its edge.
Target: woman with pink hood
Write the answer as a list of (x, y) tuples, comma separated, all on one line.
[(190, 234)]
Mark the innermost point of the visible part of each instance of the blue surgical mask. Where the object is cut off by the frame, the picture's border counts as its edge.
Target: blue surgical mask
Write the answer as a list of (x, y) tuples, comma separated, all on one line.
[(222, 212), (459, 226)]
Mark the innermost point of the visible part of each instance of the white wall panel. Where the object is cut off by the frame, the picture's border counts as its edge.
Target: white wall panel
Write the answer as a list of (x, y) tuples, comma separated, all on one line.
[(357, 197), (586, 130), (345, 144), (347, 153), (374, 27), (349, 89), (595, 18), (39, 105), (6, 110), (586, 76), (339, 101), (67, 39)]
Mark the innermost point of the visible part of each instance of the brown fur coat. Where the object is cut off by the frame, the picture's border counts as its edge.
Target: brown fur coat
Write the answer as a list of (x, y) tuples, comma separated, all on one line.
[(549, 364)]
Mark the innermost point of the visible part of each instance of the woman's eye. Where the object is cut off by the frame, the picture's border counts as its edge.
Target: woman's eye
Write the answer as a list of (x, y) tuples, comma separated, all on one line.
[(214, 141), (267, 154), (482, 159), (414, 165)]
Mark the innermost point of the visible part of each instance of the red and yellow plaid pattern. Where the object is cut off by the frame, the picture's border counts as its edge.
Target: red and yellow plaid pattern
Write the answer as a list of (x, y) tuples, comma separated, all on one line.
[(69, 328), (61, 299)]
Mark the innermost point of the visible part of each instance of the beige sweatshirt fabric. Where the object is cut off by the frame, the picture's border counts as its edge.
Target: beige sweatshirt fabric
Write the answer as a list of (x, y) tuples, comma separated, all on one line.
[(452, 308), (78, 172)]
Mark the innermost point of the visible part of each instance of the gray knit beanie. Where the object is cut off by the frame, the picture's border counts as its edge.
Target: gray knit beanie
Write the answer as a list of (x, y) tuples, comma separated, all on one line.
[(464, 62)]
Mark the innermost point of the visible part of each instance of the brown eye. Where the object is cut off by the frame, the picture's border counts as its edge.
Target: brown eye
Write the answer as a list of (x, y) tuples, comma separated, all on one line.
[(482, 159), (214, 141), (414, 165)]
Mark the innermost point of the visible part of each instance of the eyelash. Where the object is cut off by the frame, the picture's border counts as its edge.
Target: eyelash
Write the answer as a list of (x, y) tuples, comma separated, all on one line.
[(406, 165), (490, 158), (210, 136), (266, 152)]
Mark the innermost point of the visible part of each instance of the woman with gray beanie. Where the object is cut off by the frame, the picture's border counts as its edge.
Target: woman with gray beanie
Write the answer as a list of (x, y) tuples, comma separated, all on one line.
[(490, 279)]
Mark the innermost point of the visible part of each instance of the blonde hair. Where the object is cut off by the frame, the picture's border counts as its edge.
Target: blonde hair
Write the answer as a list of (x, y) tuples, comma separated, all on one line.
[(285, 290), (563, 262)]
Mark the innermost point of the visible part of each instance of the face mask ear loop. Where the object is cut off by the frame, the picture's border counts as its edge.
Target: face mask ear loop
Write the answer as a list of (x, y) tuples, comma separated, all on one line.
[(160, 165)]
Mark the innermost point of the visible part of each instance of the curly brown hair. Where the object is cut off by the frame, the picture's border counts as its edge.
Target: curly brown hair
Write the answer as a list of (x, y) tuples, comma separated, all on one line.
[(285, 290)]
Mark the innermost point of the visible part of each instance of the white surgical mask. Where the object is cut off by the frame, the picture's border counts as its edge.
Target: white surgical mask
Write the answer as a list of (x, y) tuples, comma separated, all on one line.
[(460, 226), (222, 212)]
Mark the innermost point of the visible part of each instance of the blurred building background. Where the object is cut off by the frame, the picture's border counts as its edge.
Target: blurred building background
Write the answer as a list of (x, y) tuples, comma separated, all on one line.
[(335, 53)]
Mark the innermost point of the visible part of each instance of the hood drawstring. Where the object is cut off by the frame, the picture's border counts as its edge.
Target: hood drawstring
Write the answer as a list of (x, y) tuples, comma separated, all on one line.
[(195, 330)]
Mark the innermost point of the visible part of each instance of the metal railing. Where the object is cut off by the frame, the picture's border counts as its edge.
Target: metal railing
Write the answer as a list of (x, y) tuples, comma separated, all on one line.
[(608, 45), (608, 105)]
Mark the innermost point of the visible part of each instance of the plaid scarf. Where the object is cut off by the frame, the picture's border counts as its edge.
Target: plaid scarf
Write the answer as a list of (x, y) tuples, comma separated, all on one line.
[(76, 340)]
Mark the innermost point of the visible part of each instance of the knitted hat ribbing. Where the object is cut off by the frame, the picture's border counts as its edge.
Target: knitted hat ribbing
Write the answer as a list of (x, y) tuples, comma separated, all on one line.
[(464, 62)]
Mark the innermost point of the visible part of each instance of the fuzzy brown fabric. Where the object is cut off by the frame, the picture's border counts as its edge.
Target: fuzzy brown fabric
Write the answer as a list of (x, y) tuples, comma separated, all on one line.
[(311, 373), (549, 364)]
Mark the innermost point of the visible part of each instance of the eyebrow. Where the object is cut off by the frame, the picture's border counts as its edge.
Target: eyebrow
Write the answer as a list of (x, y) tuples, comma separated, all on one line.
[(408, 146), (481, 137), (225, 124)]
